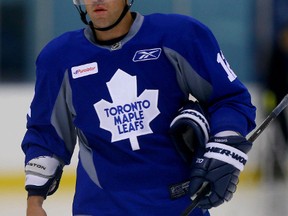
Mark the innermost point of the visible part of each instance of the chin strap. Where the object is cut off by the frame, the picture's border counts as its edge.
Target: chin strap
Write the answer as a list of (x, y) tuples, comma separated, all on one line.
[(82, 14)]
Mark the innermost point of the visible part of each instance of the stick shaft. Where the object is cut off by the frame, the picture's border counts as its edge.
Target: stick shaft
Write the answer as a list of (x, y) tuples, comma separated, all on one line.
[(203, 191), (275, 112)]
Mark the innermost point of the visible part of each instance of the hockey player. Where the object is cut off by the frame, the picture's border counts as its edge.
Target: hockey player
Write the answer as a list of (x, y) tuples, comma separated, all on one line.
[(117, 85)]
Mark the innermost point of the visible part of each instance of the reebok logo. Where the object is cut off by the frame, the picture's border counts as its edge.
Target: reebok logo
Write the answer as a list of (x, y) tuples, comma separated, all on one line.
[(147, 54), (84, 70)]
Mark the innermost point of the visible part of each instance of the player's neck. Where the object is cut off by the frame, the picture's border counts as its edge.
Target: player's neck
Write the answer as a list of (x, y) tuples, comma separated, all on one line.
[(121, 29)]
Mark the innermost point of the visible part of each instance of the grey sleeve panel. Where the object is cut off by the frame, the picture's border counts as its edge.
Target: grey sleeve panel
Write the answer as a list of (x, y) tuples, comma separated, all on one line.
[(86, 158), (63, 115), (62, 120), (188, 79)]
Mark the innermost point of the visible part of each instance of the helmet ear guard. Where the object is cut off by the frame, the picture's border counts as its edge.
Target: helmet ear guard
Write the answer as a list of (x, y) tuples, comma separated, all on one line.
[(76, 2), (189, 130)]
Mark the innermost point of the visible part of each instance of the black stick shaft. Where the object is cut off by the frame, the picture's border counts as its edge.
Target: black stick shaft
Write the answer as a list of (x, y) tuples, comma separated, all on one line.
[(276, 111), (206, 188), (202, 192)]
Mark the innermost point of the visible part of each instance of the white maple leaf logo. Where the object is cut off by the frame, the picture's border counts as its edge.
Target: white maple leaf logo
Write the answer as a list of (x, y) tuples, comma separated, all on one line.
[(128, 116)]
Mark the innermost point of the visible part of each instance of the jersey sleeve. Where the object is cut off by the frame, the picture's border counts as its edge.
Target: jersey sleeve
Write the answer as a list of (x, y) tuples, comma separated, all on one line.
[(207, 75), (50, 130)]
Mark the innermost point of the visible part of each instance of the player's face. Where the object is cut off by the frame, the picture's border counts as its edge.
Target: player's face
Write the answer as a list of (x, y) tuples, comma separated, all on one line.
[(104, 13)]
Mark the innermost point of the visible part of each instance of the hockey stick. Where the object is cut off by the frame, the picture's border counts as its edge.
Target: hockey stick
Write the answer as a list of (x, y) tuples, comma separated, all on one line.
[(206, 188)]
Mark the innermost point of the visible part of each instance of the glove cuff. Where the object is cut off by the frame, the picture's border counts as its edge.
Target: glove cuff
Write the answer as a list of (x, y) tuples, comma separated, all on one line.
[(226, 154), (43, 176)]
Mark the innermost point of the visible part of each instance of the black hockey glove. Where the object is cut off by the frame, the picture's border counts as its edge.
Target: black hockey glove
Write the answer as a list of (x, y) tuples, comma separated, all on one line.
[(189, 130), (219, 165)]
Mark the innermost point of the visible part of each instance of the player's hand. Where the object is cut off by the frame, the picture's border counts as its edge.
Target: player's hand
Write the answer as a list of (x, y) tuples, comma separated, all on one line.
[(34, 206), (219, 165)]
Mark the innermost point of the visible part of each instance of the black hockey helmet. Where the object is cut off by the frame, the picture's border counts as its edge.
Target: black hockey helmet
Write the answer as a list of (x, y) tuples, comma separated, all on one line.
[(189, 130), (79, 3)]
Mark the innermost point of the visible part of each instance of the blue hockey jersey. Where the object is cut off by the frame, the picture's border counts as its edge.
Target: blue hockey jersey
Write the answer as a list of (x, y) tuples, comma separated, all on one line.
[(119, 101)]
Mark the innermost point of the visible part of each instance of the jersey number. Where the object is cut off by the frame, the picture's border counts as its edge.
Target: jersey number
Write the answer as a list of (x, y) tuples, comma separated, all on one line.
[(221, 59)]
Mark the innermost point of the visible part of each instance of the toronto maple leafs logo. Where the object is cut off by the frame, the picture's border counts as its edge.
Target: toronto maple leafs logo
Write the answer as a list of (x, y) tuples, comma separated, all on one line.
[(128, 116)]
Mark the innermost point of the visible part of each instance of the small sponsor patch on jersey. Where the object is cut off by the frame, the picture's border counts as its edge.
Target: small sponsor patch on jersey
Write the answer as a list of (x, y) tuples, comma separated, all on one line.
[(179, 190), (84, 70), (147, 54)]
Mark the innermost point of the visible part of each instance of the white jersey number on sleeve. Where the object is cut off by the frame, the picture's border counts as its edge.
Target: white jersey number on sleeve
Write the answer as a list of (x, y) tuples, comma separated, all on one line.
[(221, 59)]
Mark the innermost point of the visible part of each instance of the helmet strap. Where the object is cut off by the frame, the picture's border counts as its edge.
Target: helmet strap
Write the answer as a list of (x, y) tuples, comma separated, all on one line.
[(82, 14)]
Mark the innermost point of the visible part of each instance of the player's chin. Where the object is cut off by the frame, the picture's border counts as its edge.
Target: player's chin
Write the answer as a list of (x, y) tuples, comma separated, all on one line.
[(101, 22)]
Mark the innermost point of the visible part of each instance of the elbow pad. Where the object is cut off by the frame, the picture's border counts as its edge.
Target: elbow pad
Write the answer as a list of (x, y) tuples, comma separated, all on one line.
[(43, 175)]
